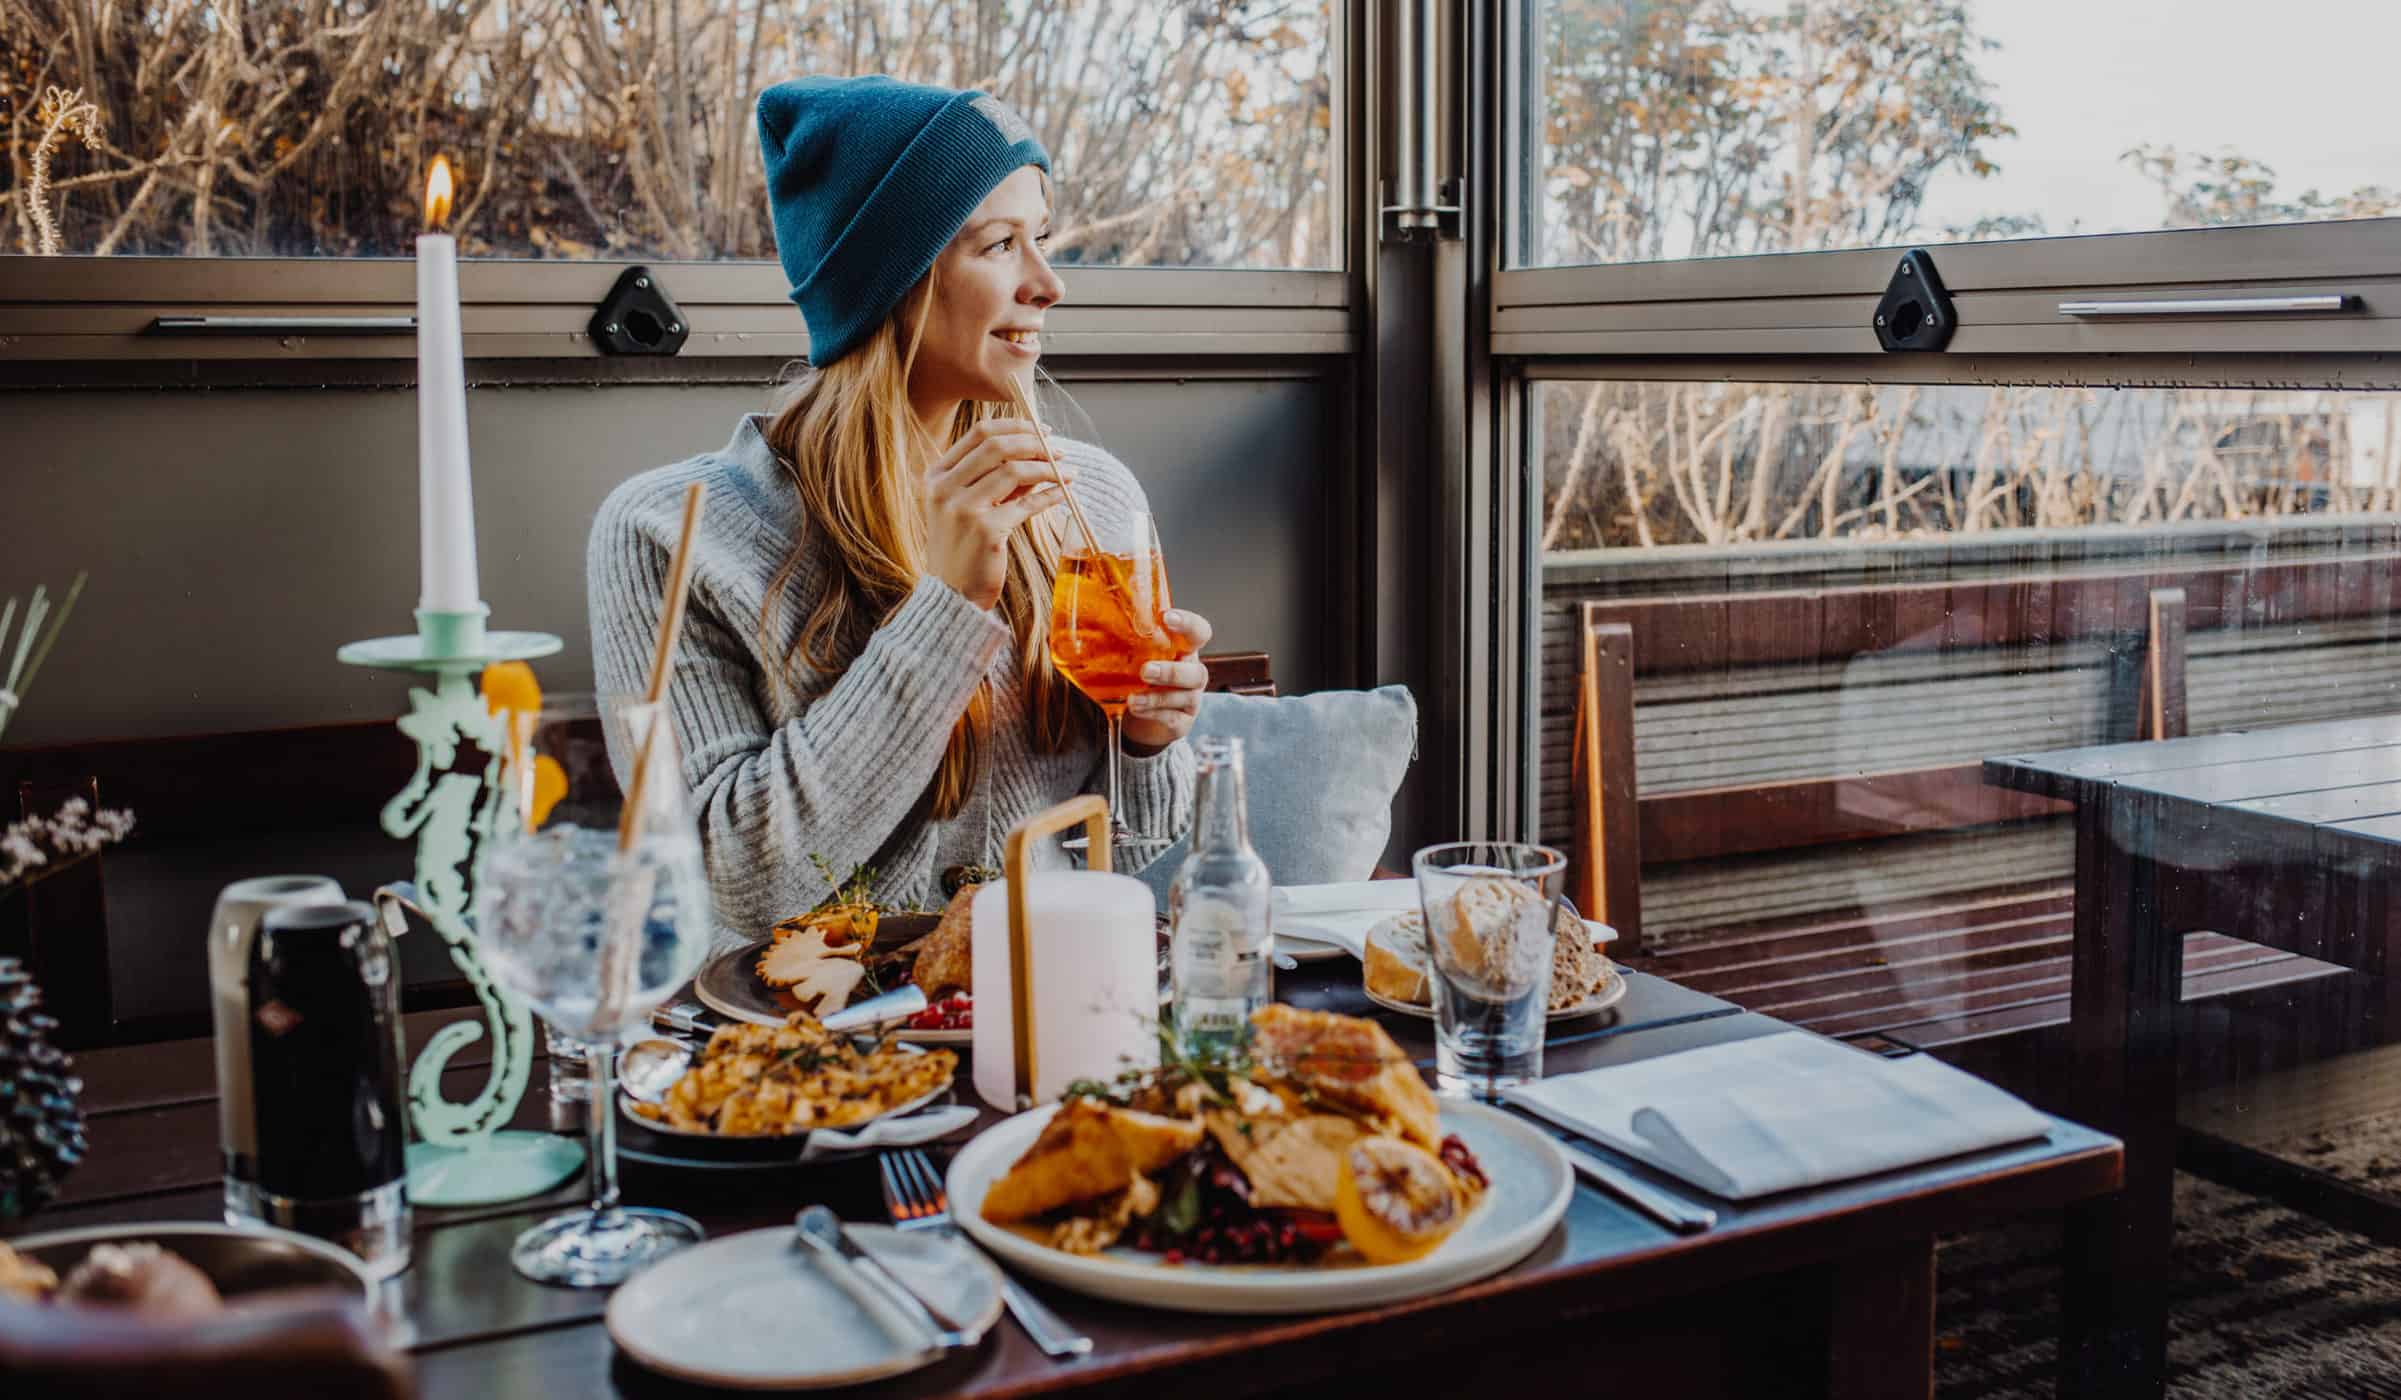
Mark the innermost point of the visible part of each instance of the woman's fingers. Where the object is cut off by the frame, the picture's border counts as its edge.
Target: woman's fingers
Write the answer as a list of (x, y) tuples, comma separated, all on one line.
[(1192, 627), (970, 473), (1159, 704), (1006, 516), (1189, 677)]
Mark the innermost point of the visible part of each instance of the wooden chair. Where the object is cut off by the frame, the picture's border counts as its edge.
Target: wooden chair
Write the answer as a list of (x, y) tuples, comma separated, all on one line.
[(1924, 971)]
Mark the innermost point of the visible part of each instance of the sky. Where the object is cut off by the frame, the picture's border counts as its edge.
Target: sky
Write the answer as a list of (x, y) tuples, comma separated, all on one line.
[(2305, 86)]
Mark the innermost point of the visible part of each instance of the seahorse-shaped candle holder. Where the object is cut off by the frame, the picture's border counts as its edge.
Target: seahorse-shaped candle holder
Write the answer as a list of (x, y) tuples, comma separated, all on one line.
[(463, 1155)]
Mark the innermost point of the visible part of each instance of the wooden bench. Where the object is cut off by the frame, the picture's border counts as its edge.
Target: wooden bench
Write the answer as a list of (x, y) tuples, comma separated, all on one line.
[(1810, 836), (116, 941)]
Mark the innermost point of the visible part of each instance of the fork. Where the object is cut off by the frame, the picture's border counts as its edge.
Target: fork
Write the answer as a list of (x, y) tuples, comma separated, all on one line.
[(916, 1200)]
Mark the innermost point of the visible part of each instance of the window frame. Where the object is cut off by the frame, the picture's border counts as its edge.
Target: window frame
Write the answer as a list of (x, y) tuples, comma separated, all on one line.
[(1807, 317), (93, 308), (87, 309), (2007, 291)]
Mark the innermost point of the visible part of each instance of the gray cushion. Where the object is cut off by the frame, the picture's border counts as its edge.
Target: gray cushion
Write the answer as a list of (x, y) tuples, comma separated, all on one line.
[(1320, 770)]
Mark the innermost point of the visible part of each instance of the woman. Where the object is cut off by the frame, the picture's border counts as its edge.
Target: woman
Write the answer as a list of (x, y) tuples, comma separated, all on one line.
[(864, 677)]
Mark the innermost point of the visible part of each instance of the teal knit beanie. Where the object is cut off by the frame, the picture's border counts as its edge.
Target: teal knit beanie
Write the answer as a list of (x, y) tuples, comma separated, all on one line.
[(868, 180)]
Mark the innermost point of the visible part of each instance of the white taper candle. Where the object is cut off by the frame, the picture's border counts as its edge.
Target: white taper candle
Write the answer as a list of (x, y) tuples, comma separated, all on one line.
[(445, 493)]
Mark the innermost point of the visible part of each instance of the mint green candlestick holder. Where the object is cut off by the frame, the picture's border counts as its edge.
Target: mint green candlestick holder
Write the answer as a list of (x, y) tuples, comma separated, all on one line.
[(464, 1155)]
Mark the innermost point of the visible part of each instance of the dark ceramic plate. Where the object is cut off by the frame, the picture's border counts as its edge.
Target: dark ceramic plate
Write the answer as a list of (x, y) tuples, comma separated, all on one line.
[(729, 984)]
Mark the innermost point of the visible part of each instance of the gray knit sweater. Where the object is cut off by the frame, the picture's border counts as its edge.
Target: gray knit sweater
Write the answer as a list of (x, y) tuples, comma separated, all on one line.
[(836, 769)]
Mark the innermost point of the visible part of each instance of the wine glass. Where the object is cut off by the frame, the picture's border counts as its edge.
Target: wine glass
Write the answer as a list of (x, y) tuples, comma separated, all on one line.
[(593, 921), (1106, 623)]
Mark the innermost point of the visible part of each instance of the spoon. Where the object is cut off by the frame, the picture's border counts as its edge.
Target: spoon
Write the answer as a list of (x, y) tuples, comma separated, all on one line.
[(647, 1069)]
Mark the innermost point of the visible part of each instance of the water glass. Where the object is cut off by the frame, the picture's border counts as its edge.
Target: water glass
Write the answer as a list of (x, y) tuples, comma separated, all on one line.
[(593, 924), (1489, 907)]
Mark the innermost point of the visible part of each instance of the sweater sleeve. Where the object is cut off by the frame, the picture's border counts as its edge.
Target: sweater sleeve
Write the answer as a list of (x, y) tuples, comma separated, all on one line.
[(838, 778)]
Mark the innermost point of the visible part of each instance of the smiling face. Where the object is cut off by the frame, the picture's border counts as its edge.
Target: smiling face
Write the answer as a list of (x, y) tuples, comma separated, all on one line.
[(991, 288)]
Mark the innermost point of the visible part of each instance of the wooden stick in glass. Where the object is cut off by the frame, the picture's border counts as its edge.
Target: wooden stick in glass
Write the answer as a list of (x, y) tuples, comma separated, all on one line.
[(662, 663)]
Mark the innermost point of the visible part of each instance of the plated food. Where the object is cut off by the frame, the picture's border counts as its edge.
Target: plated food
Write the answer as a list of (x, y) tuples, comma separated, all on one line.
[(851, 948), (1398, 968), (1321, 1147), (138, 1277), (780, 1081)]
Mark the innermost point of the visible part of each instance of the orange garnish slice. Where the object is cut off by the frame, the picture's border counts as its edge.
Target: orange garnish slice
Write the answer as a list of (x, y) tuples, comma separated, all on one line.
[(550, 784), (510, 685)]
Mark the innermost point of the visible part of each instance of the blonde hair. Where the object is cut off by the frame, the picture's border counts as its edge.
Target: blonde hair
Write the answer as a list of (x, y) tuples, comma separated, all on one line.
[(855, 451)]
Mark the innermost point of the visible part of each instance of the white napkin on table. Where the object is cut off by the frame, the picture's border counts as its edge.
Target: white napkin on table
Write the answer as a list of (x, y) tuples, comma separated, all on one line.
[(1779, 1112), (1341, 914), (908, 1131)]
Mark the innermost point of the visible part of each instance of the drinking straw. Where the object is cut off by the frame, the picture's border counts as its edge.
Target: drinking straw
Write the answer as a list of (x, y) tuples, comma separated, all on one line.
[(1025, 405), (630, 890), (662, 663)]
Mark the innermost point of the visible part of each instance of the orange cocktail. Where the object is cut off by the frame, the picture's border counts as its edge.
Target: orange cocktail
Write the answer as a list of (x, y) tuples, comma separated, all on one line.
[(1105, 623)]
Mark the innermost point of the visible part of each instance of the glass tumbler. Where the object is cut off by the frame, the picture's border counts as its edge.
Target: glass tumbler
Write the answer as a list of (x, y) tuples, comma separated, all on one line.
[(1489, 907)]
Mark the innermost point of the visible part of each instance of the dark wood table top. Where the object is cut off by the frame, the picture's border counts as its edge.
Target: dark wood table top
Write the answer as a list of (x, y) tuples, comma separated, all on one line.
[(478, 1329), (2342, 776)]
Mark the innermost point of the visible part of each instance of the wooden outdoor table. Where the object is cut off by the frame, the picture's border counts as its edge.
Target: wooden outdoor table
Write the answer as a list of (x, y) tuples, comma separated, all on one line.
[(1827, 1290), (2287, 837)]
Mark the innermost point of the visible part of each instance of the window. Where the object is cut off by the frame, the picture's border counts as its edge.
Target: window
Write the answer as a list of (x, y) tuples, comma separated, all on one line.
[(1184, 135), (1669, 129), (1637, 465)]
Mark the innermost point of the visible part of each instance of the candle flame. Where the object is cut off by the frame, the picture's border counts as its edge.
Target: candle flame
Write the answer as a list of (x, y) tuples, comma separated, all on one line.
[(438, 191)]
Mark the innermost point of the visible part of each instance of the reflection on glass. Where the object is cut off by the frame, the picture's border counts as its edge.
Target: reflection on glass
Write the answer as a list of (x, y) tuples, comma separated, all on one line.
[(1706, 128), (1839, 601), (1189, 135), (1630, 464)]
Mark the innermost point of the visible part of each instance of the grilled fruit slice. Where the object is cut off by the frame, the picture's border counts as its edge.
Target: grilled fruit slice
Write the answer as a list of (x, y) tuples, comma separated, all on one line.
[(1087, 1150), (1395, 1202)]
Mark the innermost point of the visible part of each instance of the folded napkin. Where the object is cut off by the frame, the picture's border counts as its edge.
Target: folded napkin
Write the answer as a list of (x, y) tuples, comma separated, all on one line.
[(1382, 896), (1779, 1112), (908, 1131), (1342, 914)]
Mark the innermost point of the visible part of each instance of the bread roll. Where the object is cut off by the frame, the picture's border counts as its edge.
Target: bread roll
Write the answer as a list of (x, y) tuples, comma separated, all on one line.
[(1396, 960)]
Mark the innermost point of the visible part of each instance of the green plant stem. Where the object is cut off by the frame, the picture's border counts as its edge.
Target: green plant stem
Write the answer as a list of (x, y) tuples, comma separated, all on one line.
[(57, 625)]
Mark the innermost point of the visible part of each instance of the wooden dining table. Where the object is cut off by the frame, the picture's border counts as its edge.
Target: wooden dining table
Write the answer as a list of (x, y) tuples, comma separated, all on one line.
[(1826, 1291), (2288, 837)]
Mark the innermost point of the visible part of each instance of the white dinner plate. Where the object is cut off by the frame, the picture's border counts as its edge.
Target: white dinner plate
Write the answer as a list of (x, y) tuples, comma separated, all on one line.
[(752, 1312), (1608, 996), (1531, 1185)]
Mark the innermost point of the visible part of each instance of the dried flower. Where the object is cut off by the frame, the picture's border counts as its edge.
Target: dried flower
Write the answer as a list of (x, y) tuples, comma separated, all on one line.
[(62, 113), (39, 847)]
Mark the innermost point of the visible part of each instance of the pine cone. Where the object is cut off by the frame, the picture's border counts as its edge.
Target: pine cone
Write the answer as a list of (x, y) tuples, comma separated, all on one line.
[(41, 1124)]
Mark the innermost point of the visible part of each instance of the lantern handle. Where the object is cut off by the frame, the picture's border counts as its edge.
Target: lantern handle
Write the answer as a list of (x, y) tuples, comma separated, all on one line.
[(1093, 813)]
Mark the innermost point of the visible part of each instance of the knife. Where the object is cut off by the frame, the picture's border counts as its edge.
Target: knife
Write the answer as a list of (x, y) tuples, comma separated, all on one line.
[(1669, 1209), (822, 1231)]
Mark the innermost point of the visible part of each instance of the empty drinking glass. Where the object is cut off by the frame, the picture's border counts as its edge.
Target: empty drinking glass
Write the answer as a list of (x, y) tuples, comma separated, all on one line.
[(593, 924), (1489, 907)]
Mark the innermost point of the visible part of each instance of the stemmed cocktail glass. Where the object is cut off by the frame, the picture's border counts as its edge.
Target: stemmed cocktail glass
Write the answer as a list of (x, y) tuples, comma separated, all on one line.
[(594, 920), (1106, 623)]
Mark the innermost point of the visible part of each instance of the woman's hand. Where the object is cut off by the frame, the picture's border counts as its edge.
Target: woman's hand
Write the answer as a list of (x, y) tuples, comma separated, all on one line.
[(993, 479), (1164, 713)]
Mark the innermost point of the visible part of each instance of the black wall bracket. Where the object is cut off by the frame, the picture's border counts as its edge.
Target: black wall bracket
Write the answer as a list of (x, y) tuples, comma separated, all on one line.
[(637, 317), (1915, 313)]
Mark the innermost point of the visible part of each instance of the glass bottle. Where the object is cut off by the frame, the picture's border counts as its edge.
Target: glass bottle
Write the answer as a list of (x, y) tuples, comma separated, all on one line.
[(1218, 906)]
